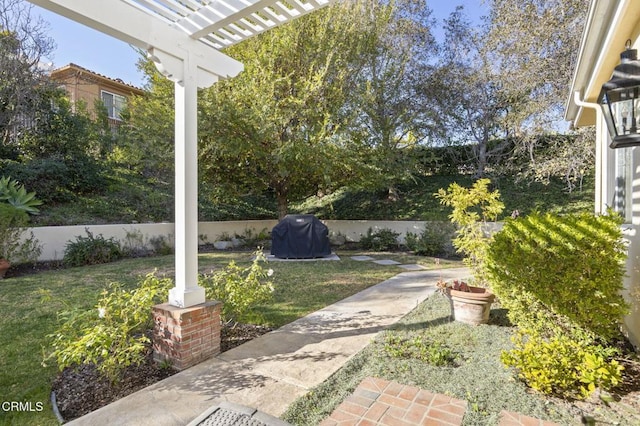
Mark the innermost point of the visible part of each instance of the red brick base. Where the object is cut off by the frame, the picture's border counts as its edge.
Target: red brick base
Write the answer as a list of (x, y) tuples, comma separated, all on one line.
[(186, 336)]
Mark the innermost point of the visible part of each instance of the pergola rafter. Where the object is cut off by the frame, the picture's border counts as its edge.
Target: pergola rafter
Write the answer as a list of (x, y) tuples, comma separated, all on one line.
[(183, 38), (223, 23)]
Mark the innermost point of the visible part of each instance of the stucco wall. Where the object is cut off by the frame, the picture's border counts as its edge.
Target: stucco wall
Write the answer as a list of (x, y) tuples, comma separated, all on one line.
[(54, 238), (632, 283)]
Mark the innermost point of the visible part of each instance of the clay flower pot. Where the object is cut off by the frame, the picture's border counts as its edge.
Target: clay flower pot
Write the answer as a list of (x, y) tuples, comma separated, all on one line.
[(471, 307), (469, 304), (4, 266)]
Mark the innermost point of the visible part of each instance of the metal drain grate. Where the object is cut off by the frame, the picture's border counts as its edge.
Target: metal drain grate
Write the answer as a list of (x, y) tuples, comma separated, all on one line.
[(229, 414)]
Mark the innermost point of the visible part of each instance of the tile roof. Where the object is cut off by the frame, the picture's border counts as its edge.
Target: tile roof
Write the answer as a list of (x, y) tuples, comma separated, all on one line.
[(101, 76)]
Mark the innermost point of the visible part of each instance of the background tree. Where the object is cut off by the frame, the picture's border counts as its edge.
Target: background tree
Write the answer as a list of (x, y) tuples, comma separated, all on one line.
[(390, 101), (145, 142), (23, 43), (537, 42), (44, 143), (278, 124), (473, 103)]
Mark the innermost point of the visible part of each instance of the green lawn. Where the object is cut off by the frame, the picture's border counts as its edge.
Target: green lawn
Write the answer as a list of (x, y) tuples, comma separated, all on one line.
[(27, 317)]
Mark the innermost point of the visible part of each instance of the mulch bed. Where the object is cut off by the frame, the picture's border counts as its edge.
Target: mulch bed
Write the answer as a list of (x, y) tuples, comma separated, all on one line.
[(80, 390)]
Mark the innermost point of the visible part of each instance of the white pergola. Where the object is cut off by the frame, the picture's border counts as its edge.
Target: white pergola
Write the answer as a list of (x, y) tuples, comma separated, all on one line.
[(183, 38)]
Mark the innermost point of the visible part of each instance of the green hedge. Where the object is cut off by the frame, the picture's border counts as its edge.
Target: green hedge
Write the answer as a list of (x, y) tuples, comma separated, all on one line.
[(561, 273)]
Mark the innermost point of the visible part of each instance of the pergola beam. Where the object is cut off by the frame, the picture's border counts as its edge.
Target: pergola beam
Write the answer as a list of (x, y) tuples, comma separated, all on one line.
[(126, 22)]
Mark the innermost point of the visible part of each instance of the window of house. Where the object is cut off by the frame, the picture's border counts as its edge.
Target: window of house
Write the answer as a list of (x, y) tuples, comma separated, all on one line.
[(114, 104)]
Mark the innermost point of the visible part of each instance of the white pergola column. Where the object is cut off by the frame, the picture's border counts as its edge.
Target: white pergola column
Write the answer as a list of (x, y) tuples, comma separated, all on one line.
[(187, 77), (187, 292)]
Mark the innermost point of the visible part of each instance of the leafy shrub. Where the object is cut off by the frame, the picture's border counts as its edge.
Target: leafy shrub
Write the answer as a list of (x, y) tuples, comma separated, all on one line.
[(16, 195), (16, 204), (161, 245), (382, 240), (253, 238), (420, 348), (560, 278), (239, 288), (14, 246), (561, 273), (472, 208), (49, 177), (562, 366), (433, 240), (133, 244), (112, 335), (91, 250)]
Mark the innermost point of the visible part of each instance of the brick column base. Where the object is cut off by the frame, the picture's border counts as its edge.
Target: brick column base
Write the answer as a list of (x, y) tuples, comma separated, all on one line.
[(186, 336)]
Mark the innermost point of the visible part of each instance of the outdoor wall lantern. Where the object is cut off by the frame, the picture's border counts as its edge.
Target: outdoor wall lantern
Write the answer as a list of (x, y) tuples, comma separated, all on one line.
[(620, 100)]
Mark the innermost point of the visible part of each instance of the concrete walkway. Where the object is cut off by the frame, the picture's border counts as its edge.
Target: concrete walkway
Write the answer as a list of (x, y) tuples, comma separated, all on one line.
[(272, 371)]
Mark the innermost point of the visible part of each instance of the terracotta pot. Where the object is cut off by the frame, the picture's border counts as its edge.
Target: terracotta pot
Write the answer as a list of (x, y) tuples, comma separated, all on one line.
[(471, 307), (4, 266)]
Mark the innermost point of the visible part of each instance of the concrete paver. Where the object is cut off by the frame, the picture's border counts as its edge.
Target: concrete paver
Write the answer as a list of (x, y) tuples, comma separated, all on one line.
[(332, 256), (386, 262), (272, 371), (362, 258), (412, 267)]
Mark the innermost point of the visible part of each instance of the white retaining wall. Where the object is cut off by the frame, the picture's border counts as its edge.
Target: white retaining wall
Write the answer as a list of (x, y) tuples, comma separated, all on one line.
[(54, 238)]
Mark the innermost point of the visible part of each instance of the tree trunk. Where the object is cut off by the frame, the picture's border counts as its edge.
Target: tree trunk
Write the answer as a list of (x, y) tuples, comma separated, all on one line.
[(283, 204), (481, 160)]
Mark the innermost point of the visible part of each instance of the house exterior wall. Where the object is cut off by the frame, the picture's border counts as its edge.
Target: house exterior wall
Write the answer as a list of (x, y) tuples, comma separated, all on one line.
[(609, 24), (83, 85), (620, 174)]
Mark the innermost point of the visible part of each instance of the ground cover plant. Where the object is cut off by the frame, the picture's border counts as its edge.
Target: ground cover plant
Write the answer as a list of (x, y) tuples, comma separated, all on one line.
[(416, 201), (130, 197), (299, 288), (428, 350)]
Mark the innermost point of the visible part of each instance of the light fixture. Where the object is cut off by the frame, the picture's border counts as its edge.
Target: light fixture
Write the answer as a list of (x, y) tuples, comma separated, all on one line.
[(620, 100)]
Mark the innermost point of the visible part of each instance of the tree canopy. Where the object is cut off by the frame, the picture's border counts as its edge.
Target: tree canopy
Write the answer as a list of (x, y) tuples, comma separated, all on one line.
[(324, 101), (23, 43)]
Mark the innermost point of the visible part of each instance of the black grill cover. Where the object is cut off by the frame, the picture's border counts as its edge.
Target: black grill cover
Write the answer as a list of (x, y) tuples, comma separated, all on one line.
[(300, 236)]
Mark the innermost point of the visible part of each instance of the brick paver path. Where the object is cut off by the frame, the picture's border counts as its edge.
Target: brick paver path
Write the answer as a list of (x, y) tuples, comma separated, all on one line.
[(380, 402)]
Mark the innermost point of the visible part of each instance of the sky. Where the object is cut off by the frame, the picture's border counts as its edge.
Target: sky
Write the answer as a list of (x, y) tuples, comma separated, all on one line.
[(113, 58)]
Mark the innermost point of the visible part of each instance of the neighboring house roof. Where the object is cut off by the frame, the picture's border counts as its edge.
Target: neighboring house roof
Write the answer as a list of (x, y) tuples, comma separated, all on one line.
[(609, 25), (62, 73)]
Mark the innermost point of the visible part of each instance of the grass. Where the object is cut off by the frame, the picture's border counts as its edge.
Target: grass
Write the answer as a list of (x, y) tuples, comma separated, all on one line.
[(300, 288), (475, 375)]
